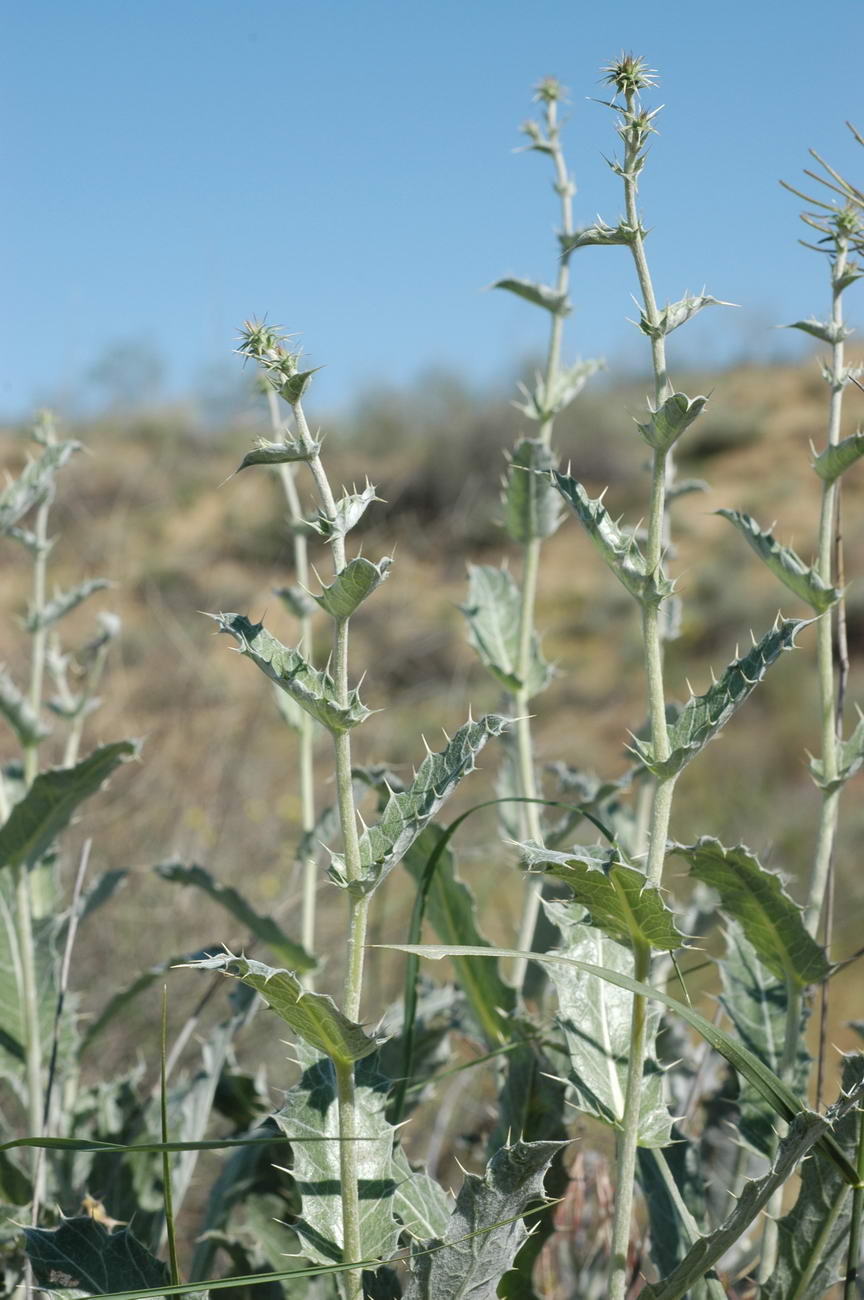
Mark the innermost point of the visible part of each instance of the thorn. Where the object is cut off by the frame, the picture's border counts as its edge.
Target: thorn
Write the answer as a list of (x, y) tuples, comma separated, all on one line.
[(713, 678)]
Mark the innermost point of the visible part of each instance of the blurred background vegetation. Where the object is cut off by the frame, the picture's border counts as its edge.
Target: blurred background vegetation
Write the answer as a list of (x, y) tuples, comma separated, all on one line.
[(153, 508)]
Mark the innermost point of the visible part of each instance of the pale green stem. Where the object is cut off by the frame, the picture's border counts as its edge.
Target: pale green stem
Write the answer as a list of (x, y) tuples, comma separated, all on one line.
[(358, 909), (628, 1140), (713, 1285), (661, 806), (306, 736), (529, 813), (853, 1257), (830, 723), (770, 1237), (76, 731)]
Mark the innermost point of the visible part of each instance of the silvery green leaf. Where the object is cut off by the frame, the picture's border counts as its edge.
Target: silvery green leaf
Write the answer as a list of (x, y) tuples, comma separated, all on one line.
[(52, 801), (296, 600), (703, 716), (600, 233), (678, 313), (494, 611), (784, 563), (352, 586), (771, 920), (485, 1230), (619, 898), (407, 812), (314, 691), (262, 927), (350, 509), (83, 1256), (13, 1017), (619, 549), (683, 487), (548, 400), (421, 1204), (831, 463), (313, 1016), (452, 913), (266, 452), (542, 295), (850, 756), (532, 508), (806, 1129), (757, 1003), (310, 1110), (292, 387), (670, 420), (827, 331), (33, 484), (63, 603), (16, 709), (813, 1236)]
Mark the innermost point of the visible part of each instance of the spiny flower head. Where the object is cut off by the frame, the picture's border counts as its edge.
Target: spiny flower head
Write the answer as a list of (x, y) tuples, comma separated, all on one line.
[(629, 74), (549, 91), (265, 344)]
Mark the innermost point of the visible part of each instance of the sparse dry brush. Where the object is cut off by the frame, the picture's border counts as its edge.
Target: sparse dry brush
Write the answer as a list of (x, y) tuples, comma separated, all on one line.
[(737, 1164)]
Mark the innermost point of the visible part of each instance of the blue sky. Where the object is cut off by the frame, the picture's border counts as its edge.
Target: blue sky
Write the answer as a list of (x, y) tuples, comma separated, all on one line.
[(347, 167)]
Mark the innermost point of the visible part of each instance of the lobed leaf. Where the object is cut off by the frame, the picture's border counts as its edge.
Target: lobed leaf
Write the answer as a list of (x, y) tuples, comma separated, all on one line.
[(52, 800), (262, 927), (407, 812), (670, 420), (33, 484), (619, 898), (542, 295), (850, 756), (770, 918), (532, 508), (832, 462), (784, 563), (16, 709), (350, 509), (678, 313), (619, 549), (597, 1027), (314, 691), (703, 716), (313, 1016), (549, 398), (63, 603), (485, 1230), (82, 1255), (827, 331), (266, 452), (812, 1237), (494, 614), (601, 233), (352, 586)]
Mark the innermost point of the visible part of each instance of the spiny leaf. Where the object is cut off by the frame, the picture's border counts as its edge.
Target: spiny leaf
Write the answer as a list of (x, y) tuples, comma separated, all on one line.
[(16, 709), (266, 452), (850, 756), (831, 463), (33, 483), (621, 901), (314, 1016), (532, 508), (292, 387), (600, 233), (703, 716), (812, 1237), (757, 1003), (350, 509), (670, 420), (263, 927), (63, 603), (771, 920), (314, 691), (548, 399), (406, 813), (597, 1026), (542, 295), (52, 800), (678, 313), (619, 549), (485, 1230), (786, 1104), (494, 612), (784, 563), (82, 1255), (419, 1202), (351, 587), (827, 331), (297, 601)]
